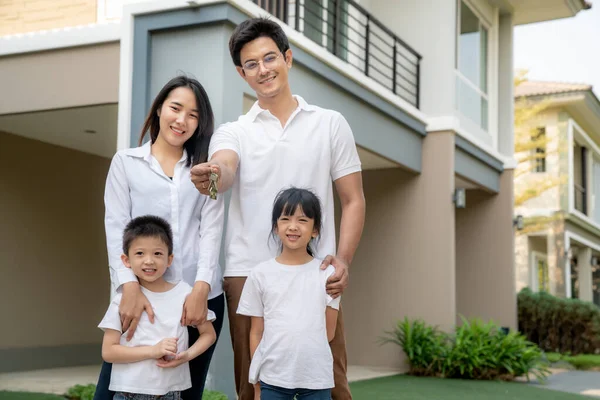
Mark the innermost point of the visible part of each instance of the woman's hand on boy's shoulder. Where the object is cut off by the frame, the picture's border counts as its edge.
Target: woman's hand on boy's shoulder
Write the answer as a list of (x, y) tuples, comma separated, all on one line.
[(338, 281), (133, 303)]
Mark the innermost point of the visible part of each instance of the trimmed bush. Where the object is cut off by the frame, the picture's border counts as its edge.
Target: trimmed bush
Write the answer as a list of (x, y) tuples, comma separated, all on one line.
[(476, 350), (559, 325)]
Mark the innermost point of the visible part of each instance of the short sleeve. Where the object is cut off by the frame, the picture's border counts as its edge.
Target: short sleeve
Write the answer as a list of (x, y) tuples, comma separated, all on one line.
[(112, 319), (225, 138), (344, 156), (211, 316), (251, 303), (331, 302)]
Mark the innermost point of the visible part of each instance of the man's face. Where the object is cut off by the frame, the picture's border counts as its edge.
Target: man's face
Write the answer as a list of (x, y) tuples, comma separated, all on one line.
[(264, 67)]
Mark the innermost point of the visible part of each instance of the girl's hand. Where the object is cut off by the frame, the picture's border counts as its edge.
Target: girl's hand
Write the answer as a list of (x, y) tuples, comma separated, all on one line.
[(165, 349), (176, 361), (195, 308), (133, 304)]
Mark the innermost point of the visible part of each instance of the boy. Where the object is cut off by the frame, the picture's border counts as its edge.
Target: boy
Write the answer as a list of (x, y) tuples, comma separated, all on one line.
[(155, 362)]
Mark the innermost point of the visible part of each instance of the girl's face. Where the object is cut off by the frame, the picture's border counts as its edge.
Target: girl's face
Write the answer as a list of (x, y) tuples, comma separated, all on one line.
[(178, 117), (295, 231)]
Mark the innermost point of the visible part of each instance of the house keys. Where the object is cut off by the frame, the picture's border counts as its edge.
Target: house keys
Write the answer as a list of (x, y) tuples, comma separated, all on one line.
[(213, 187)]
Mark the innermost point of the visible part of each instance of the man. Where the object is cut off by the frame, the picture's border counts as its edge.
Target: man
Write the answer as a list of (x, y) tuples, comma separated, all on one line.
[(282, 141)]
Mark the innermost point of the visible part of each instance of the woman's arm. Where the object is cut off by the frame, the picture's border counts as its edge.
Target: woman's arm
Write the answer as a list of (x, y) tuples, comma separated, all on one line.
[(211, 230), (117, 203), (114, 352)]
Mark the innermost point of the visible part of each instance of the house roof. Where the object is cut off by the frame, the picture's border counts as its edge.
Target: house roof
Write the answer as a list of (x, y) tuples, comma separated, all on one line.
[(538, 88)]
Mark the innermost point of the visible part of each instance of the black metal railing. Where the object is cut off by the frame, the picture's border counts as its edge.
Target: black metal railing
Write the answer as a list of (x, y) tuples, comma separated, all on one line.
[(351, 33)]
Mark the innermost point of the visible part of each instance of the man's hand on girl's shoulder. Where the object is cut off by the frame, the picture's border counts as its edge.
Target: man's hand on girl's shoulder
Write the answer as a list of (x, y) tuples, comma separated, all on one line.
[(338, 282)]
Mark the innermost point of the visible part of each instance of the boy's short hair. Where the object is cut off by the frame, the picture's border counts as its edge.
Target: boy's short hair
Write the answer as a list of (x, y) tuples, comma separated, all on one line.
[(252, 29), (147, 226)]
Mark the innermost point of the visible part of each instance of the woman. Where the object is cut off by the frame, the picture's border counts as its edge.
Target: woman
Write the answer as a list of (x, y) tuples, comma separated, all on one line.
[(154, 179)]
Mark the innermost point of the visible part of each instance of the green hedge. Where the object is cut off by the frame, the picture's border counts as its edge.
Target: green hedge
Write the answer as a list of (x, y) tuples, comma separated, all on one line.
[(559, 325), (476, 350)]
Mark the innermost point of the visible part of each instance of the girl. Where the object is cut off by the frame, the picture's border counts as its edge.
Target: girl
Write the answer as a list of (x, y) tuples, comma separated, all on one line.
[(292, 317), (154, 179)]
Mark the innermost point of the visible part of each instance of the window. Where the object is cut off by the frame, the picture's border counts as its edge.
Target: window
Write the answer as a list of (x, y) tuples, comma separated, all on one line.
[(472, 67), (580, 155), (540, 151)]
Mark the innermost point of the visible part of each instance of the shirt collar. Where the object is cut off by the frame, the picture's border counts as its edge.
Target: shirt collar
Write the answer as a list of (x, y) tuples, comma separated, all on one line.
[(256, 110), (144, 152)]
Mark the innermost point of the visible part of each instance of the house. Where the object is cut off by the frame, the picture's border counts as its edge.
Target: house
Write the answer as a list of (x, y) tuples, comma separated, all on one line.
[(561, 253), (425, 86)]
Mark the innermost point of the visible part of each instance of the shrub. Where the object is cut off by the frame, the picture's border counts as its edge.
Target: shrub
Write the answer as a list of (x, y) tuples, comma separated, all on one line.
[(476, 350), (559, 325), (81, 392), (86, 392)]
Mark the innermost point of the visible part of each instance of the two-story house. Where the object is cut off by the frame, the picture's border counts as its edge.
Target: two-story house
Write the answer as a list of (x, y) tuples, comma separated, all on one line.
[(425, 86), (561, 254)]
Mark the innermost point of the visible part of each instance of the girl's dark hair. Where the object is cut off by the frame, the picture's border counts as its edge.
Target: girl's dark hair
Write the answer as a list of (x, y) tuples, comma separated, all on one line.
[(252, 29), (286, 203), (196, 146)]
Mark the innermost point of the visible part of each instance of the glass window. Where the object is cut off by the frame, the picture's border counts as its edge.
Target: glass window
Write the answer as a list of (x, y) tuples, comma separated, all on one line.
[(472, 66)]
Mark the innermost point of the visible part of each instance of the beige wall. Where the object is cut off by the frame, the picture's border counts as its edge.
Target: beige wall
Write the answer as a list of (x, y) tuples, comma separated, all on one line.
[(55, 285), (485, 272), (405, 263), (19, 16), (73, 77)]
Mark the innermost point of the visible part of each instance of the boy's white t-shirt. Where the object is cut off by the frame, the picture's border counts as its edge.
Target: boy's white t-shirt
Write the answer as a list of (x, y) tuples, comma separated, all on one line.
[(294, 351), (145, 377)]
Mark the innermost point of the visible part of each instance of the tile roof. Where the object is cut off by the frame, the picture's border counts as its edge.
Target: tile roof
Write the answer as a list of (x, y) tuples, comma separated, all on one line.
[(538, 88)]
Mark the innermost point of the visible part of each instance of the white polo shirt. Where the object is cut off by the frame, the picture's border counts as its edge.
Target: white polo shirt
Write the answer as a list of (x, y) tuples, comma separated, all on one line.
[(315, 148)]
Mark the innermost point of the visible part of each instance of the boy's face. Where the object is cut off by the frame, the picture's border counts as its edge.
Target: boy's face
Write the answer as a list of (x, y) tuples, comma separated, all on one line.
[(148, 258), (266, 80)]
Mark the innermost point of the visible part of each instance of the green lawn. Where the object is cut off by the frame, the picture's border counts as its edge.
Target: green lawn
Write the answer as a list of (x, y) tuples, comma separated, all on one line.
[(28, 396), (402, 387)]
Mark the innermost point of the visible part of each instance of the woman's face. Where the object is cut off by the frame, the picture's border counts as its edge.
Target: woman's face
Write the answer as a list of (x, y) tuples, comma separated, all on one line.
[(178, 117)]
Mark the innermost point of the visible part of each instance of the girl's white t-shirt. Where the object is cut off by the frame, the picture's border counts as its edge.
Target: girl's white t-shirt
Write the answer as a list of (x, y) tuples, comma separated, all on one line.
[(294, 351), (145, 377)]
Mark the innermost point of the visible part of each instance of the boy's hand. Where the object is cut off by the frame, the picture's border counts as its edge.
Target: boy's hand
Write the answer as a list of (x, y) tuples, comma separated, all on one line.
[(195, 308), (176, 361), (165, 348), (339, 280), (133, 304)]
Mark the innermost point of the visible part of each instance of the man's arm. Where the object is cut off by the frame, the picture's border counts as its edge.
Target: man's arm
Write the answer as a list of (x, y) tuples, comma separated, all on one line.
[(114, 352), (352, 199), (224, 163)]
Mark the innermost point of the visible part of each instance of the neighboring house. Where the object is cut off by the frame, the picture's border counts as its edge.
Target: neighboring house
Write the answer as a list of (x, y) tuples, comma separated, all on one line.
[(425, 86), (562, 254)]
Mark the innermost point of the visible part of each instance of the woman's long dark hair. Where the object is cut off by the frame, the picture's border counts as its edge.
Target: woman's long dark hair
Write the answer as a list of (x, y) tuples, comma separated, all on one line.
[(286, 203), (196, 146)]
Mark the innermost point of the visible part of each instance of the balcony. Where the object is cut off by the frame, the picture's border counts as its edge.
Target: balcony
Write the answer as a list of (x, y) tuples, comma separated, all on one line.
[(352, 34)]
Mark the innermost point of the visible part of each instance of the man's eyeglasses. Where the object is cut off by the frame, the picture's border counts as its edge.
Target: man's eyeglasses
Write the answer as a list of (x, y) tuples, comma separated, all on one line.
[(269, 62)]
